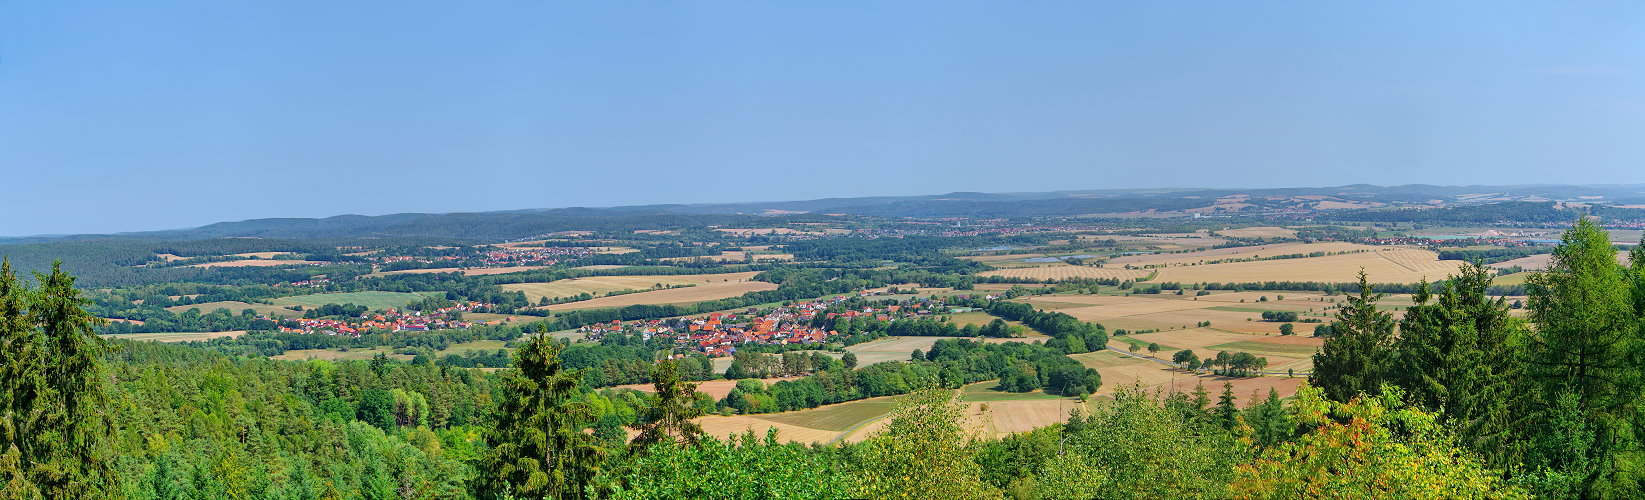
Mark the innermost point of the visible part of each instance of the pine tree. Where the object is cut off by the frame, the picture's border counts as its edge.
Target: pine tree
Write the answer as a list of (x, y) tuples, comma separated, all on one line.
[(1584, 359), (1354, 359), (669, 418), (539, 447)]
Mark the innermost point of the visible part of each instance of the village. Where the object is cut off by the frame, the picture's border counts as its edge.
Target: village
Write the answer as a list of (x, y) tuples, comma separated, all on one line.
[(718, 334), (388, 320)]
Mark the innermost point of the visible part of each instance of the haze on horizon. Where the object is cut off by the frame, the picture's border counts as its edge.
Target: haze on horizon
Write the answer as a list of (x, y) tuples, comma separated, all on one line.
[(135, 116)]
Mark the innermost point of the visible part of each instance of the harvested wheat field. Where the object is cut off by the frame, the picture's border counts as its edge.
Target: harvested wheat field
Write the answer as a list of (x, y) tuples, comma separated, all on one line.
[(599, 285), (258, 255), (1389, 265), (698, 293), (1258, 232), (732, 257), (1064, 271), (177, 336), (253, 263), (737, 425), (1249, 252), (1542, 261), (716, 388), (998, 418)]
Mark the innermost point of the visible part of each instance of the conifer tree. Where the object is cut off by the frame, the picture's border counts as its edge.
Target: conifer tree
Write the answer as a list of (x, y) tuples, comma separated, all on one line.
[(1354, 359), (539, 449), (54, 422), (1584, 361)]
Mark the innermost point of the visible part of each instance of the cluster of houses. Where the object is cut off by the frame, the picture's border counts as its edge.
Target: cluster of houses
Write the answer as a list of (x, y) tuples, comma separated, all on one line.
[(544, 256), (718, 334), (496, 257), (388, 320)]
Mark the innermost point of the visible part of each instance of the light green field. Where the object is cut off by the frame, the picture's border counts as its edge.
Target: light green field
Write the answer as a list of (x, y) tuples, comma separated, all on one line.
[(978, 318), (837, 417), (1105, 359), (236, 306), (989, 391), (891, 349), (330, 354), (176, 336), (373, 300), (478, 345), (1142, 346), (1259, 348)]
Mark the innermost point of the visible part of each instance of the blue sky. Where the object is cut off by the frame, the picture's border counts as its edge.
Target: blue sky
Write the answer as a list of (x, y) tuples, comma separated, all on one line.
[(122, 116)]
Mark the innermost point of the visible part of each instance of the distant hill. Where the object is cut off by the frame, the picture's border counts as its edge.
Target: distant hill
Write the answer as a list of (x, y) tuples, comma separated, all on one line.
[(1353, 202)]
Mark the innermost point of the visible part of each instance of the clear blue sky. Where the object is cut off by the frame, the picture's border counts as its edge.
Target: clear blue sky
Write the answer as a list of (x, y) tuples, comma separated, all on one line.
[(121, 115)]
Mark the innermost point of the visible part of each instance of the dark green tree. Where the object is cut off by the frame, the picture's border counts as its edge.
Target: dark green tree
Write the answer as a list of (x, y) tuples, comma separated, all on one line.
[(1584, 362), (1354, 359), (539, 449), (56, 425), (1450, 357)]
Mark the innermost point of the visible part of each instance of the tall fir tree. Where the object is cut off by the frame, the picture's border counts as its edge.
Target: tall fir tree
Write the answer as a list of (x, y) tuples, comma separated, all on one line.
[(1354, 359), (539, 447), (1450, 356), (56, 428)]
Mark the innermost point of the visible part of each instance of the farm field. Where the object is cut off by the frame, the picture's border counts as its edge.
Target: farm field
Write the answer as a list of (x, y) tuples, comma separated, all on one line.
[(890, 349), (734, 256), (177, 336), (1542, 261), (1388, 265), (374, 300), (236, 307), (851, 420), (1258, 232), (252, 263), (1058, 271), (1247, 252), (478, 345), (718, 389), (330, 354), (598, 285), (479, 271), (698, 293)]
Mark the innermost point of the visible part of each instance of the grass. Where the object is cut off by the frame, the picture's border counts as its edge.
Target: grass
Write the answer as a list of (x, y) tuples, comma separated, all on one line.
[(177, 336), (478, 345), (1142, 346), (236, 306), (837, 417), (990, 391), (330, 354), (374, 300), (1104, 359), (1254, 347), (978, 318)]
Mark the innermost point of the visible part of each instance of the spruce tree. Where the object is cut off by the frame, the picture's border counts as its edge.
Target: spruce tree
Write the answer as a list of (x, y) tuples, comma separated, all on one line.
[(56, 427), (539, 449), (1353, 361)]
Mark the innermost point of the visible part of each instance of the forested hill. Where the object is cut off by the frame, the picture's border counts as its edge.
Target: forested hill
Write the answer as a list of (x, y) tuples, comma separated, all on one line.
[(1348, 203)]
